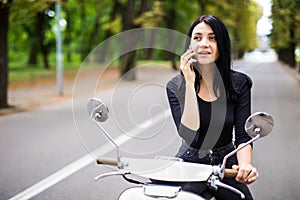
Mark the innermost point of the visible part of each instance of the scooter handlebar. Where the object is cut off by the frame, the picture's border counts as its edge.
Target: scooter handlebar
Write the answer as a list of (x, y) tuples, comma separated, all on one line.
[(230, 173), (107, 161)]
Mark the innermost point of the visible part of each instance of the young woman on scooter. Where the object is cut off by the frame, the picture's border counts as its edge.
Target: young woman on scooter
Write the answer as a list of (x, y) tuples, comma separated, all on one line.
[(209, 100)]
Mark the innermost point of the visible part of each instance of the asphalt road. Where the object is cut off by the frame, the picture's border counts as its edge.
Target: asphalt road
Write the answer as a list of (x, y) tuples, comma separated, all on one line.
[(52, 147)]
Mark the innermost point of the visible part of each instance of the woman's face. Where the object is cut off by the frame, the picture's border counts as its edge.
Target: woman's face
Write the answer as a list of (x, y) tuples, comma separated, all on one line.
[(204, 43)]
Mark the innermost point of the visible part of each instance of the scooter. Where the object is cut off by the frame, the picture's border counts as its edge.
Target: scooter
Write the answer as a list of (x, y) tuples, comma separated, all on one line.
[(160, 173)]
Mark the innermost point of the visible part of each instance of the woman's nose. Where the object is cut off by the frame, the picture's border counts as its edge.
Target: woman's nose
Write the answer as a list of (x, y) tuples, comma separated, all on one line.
[(203, 43)]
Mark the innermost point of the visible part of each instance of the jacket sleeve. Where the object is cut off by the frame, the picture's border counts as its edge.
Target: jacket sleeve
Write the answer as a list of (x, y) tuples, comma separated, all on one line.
[(242, 85), (176, 102)]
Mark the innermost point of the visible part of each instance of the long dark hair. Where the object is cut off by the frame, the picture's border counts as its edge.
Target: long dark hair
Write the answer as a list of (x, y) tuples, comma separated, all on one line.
[(223, 63)]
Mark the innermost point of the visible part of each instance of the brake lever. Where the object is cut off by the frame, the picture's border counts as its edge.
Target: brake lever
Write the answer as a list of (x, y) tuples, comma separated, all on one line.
[(214, 183), (119, 172)]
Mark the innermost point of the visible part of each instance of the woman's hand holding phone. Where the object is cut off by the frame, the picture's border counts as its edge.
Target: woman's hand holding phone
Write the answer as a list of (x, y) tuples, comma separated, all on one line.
[(186, 66)]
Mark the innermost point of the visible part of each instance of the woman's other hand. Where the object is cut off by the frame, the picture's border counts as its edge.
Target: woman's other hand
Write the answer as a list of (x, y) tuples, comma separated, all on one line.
[(246, 173)]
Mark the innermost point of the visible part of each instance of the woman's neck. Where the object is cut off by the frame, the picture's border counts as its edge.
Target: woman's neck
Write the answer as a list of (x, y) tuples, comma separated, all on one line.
[(208, 73), (206, 83)]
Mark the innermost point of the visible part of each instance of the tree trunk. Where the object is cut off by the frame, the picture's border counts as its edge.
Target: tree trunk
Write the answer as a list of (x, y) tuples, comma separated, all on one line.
[(42, 26), (128, 59), (33, 52), (240, 54), (35, 39), (103, 51), (45, 53), (148, 53), (128, 66), (202, 6), (287, 56), (82, 24), (128, 13), (94, 36), (172, 45), (68, 37), (4, 25)]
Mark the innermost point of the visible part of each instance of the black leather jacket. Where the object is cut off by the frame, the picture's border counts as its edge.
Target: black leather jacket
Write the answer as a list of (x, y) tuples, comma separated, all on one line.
[(220, 132)]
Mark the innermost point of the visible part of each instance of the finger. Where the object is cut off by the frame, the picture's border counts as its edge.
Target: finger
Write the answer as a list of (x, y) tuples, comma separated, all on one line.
[(185, 54), (243, 172), (235, 167), (239, 176), (192, 60), (186, 64), (248, 175), (190, 55), (246, 170), (253, 176)]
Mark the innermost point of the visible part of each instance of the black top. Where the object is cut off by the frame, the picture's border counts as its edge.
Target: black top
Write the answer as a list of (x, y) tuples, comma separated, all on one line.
[(217, 118)]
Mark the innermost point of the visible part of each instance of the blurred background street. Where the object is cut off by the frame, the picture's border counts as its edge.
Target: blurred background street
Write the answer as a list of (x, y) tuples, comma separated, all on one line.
[(56, 55)]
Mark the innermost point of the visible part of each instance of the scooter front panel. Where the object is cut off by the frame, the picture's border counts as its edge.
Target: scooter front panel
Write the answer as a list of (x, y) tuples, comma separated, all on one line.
[(138, 193)]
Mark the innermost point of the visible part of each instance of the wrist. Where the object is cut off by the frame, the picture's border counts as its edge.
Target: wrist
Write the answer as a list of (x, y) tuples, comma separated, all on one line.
[(189, 84)]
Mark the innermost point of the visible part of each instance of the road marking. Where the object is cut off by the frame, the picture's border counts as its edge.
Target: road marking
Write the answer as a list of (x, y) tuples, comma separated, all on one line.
[(87, 159)]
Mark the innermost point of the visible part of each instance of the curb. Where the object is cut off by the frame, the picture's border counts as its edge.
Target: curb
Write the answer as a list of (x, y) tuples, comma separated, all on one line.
[(293, 72)]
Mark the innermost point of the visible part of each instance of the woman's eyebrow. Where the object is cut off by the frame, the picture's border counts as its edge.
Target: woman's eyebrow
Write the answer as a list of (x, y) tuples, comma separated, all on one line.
[(199, 33)]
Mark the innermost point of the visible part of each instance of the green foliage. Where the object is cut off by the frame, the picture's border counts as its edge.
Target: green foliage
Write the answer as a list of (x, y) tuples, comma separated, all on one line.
[(115, 26), (240, 18), (286, 24), (25, 15), (90, 22), (286, 29), (151, 18)]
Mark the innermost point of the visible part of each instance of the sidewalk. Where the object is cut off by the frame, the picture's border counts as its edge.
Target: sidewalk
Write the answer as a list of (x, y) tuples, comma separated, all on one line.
[(271, 56), (27, 96), (291, 71)]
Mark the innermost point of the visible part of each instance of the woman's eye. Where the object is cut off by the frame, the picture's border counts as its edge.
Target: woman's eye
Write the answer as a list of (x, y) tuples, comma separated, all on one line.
[(197, 38), (213, 38)]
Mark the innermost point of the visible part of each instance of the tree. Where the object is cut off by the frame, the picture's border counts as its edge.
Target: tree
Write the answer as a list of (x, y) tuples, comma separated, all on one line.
[(245, 33), (286, 29), (173, 19), (35, 20), (4, 26), (129, 11), (241, 23), (108, 27), (93, 21)]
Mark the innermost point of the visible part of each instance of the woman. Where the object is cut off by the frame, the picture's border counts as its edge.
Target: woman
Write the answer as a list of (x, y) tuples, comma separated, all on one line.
[(208, 100)]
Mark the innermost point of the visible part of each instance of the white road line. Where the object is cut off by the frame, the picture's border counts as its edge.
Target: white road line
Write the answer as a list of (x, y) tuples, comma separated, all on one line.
[(87, 159)]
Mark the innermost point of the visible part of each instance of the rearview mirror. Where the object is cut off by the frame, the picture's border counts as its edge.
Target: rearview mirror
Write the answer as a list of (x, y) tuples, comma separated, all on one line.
[(259, 123), (97, 109)]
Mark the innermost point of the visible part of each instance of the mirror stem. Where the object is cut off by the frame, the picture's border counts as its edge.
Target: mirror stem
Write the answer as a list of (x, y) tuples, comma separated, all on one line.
[(237, 149), (120, 164)]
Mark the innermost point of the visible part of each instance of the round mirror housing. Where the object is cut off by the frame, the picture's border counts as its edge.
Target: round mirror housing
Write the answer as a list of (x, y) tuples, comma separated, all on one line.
[(97, 110), (259, 123)]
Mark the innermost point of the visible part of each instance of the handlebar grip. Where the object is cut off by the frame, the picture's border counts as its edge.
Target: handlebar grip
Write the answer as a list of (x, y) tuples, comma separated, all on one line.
[(107, 161), (230, 173)]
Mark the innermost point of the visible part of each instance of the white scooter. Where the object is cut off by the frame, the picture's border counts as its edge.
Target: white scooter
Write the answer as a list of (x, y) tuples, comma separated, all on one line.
[(159, 172)]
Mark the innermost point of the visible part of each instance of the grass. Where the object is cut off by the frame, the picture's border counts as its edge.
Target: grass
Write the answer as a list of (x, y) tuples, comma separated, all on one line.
[(25, 73), (20, 71)]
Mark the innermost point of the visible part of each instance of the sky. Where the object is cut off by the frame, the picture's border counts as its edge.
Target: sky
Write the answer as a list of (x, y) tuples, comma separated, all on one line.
[(264, 25)]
